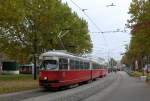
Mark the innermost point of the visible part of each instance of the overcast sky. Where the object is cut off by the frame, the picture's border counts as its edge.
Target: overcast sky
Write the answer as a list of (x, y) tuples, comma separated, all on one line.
[(107, 19)]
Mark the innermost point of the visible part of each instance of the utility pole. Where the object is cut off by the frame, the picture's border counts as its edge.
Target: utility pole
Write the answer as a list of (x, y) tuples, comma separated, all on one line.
[(34, 48), (34, 55)]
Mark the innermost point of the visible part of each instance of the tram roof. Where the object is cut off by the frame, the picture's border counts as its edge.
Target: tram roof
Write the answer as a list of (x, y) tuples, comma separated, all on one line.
[(61, 54)]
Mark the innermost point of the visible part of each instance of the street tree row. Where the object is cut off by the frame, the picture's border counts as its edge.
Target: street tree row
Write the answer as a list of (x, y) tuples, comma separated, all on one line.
[(34, 26), (139, 22)]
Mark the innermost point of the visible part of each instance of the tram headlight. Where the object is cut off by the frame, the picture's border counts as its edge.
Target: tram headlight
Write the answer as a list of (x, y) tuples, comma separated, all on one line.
[(45, 78)]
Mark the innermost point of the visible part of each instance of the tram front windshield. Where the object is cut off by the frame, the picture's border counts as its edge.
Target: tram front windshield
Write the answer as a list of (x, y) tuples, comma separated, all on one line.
[(49, 65)]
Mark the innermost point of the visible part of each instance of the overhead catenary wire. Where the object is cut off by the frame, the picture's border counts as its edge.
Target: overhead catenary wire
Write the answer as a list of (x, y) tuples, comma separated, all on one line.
[(83, 10), (97, 27)]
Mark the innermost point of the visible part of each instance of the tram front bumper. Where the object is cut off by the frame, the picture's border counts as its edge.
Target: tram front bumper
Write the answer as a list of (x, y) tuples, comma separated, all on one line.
[(51, 84)]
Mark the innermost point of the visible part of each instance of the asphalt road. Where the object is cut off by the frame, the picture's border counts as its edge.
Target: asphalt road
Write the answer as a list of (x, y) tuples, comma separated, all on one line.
[(124, 89), (114, 87)]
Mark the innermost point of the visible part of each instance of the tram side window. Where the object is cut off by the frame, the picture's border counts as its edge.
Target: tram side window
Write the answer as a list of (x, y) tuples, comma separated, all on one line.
[(77, 64), (84, 65), (87, 65), (81, 65), (95, 66), (63, 64), (72, 64), (92, 66), (100, 66)]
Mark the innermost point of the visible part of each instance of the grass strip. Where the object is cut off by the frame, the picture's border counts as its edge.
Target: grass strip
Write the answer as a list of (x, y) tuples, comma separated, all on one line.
[(15, 83)]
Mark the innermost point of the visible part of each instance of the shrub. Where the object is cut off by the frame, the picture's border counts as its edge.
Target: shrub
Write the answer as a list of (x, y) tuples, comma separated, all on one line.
[(135, 74)]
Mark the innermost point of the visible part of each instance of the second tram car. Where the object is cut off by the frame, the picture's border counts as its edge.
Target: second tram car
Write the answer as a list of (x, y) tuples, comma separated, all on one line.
[(59, 69)]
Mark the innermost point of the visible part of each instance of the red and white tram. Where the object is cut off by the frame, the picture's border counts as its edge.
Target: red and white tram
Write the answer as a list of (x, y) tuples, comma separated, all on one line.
[(60, 69)]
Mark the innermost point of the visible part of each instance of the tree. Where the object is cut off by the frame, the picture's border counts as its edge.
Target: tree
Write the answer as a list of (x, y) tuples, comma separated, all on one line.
[(139, 23), (29, 26)]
